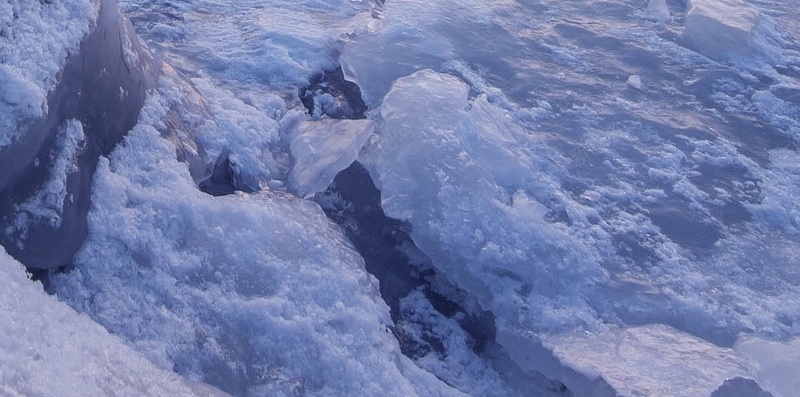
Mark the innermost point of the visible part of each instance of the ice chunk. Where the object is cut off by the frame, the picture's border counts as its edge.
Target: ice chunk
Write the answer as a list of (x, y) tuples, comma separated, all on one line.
[(776, 363), (37, 36), (653, 360), (466, 178), (657, 10), (635, 81), (44, 339), (720, 28), (322, 148)]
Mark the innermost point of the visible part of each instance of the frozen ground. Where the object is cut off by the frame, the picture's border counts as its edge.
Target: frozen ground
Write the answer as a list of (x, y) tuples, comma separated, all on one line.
[(592, 198)]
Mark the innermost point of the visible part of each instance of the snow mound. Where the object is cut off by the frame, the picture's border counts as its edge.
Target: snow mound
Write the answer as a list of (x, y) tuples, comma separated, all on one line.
[(721, 28), (48, 349), (255, 294)]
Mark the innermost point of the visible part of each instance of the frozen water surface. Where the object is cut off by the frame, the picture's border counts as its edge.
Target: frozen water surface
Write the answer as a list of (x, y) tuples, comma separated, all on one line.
[(592, 198)]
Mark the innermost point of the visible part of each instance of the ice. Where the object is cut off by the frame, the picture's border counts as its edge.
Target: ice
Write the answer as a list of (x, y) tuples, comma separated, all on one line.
[(256, 294), (459, 171), (322, 148), (651, 360), (622, 237), (278, 43), (634, 81), (101, 83), (37, 37), (47, 205), (479, 192), (48, 349), (776, 363), (657, 10), (721, 28)]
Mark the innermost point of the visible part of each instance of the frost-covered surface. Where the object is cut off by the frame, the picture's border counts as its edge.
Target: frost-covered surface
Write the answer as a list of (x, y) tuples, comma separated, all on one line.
[(47, 349), (259, 295), (47, 204), (36, 38), (621, 201)]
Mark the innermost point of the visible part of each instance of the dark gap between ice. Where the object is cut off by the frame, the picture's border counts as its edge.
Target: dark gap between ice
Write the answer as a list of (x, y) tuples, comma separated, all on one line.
[(353, 202)]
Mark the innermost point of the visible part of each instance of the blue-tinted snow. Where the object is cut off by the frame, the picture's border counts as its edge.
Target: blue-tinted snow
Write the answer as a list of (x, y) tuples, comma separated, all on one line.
[(613, 225), (36, 39), (258, 294), (47, 349)]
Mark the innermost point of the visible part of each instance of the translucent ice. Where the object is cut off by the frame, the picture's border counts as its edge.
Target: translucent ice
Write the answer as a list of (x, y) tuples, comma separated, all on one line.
[(721, 28)]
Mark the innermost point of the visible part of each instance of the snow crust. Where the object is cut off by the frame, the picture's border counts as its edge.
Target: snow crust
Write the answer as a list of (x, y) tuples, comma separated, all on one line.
[(48, 349), (37, 38)]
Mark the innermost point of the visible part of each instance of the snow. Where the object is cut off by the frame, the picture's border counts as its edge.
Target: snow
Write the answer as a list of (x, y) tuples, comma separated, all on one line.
[(256, 294), (721, 28), (37, 38), (322, 148), (48, 349), (626, 239), (657, 10)]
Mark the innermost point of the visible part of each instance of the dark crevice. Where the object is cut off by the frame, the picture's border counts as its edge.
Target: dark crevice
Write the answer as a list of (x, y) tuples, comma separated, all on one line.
[(353, 202), (329, 94), (221, 182)]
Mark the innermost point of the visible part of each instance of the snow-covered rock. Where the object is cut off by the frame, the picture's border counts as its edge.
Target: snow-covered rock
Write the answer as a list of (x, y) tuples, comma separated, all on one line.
[(721, 28), (85, 63)]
